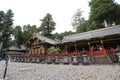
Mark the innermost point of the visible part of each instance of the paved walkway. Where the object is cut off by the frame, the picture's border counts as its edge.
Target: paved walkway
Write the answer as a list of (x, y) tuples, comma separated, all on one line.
[(2, 67)]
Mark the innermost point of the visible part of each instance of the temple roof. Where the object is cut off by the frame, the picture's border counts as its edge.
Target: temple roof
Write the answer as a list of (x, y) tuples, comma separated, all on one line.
[(14, 48), (93, 34), (45, 39)]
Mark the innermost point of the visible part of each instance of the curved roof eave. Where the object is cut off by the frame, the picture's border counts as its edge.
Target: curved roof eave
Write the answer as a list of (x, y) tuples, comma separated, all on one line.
[(93, 34)]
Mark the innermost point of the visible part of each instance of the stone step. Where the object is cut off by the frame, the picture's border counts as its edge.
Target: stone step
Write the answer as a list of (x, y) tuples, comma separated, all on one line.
[(102, 60)]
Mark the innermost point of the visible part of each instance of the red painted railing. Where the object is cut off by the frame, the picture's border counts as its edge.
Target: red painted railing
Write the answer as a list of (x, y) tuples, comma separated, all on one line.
[(61, 55), (97, 53), (46, 56), (103, 52), (52, 55), (69, 54), (100, 53), (79, 54), (111, 52)]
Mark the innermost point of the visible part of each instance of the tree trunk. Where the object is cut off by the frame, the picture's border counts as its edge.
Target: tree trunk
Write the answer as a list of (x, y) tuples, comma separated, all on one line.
[(1, 44)]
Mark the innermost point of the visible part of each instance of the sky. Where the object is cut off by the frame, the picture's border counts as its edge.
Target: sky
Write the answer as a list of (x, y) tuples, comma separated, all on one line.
[(31, 11)]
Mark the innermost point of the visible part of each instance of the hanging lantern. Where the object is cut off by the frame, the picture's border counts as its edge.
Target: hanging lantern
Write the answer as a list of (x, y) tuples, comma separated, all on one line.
[(39, 51), (101, 41), (75, 48), (66, 49), (89, 43)]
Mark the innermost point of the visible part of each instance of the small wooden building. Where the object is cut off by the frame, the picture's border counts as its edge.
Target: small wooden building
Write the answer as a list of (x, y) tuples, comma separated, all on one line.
[(15, 53), (38, 45)]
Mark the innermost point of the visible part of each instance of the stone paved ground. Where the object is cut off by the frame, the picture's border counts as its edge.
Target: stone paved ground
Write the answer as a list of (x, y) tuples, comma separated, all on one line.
[(2, 67), (33, 71)]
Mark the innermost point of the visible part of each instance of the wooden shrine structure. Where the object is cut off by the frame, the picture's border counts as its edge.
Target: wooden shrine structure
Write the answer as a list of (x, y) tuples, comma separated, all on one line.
[(95, 43), (38, 45), (106, 38)]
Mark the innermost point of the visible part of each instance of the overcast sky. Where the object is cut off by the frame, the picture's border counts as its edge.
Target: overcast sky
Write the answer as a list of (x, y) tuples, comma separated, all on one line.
[(31, 11)]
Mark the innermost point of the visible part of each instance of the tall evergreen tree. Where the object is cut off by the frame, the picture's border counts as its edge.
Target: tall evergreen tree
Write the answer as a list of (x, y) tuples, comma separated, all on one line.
[(105, 10), (77, 20), (21, 36), (6, 22), (84, 26), (18, 34), (28, 31), (60, 36), (47, 25)]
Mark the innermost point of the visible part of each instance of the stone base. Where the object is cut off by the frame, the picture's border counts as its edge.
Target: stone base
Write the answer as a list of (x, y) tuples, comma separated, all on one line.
[(86, 60)]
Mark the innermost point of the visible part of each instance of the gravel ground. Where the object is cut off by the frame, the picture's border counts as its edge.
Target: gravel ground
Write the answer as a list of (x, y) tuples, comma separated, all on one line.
[(33, 71)]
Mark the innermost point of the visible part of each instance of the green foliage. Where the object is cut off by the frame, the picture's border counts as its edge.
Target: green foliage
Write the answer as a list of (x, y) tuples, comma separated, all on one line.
[(105, 10), (17, 32), (83, 27), (21, 36), (77, 19), (53, 50), (1, 54), (10, 43), (61, 35), (6, 23), (96, 25), (79, 23), (28, 31), (47, 25)]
